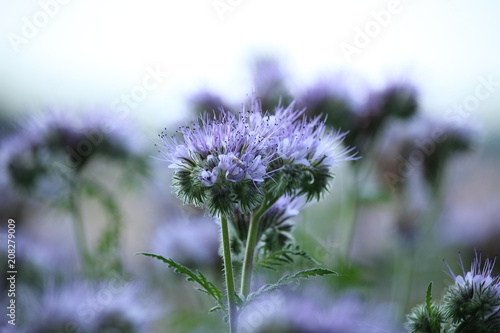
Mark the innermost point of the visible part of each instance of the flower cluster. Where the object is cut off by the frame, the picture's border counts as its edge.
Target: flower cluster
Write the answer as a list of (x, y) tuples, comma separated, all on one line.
[(471, 304), (234, 162)]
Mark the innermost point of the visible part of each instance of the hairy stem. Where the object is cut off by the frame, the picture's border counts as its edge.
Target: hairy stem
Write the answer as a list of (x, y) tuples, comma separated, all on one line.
[(228, 273), (252, 240)]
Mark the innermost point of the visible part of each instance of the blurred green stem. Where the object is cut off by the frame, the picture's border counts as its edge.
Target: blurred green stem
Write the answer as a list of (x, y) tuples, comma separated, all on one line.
[(355, 202), (252, 240), (79, 230), (228, 267)]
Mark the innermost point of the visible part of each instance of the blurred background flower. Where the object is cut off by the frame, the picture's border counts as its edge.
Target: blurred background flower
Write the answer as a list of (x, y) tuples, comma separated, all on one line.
[(111, 306), (309, 311)]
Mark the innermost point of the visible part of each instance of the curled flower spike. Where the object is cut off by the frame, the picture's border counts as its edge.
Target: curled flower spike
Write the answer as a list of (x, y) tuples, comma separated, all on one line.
[(233, 162)]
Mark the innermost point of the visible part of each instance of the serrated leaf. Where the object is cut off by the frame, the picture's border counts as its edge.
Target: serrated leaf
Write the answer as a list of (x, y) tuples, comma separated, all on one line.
[(206, 286), (307, 273), (282, 257), (289, 278)]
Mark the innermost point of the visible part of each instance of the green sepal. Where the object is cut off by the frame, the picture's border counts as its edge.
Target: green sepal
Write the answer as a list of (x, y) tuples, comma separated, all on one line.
[(188, 187), (315, 182)]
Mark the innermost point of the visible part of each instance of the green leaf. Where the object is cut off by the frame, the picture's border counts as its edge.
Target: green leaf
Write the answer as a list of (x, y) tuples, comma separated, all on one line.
[(215, 308), (307, 273), (205, 285), (289, 278), (282, 257)]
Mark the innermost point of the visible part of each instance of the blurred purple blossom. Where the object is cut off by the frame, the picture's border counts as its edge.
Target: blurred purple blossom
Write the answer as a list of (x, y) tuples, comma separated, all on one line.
[(194, 241), (56, 145), (310, 312), (90, 307)]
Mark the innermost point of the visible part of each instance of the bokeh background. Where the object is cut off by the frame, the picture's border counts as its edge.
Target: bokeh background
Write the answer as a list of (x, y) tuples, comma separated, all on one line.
[(417, 84)]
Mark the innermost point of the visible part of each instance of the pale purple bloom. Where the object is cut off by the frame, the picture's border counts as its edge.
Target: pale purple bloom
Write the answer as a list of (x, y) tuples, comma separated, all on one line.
[(216, 158), (191, 241), (209, 177), (232, 166), (478, 277)]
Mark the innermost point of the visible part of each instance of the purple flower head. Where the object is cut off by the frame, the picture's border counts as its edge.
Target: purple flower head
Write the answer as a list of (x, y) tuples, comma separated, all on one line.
[(477, 277), (209, 177), (474, 300), (233, 161)]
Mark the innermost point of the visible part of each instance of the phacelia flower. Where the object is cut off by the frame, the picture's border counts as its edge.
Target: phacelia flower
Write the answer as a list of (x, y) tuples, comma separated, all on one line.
[(233, 162), (473, 302)]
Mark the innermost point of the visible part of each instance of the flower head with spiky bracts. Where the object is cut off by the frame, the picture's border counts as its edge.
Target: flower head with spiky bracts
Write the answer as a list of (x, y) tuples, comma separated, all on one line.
[(473, 302), (234, 162)]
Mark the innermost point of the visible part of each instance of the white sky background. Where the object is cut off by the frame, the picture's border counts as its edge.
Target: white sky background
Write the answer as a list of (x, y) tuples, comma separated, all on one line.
[(89, 53)]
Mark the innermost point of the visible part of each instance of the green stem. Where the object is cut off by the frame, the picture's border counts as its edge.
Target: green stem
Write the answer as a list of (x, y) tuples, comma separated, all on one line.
[(79, 230), (228, 267), (252, 240), (351, 228)]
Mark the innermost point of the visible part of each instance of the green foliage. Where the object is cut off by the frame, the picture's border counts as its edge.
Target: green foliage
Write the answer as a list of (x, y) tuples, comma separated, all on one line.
[(288, 279), (426, 318), (428, 298), (280, 257), (206, 286)]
